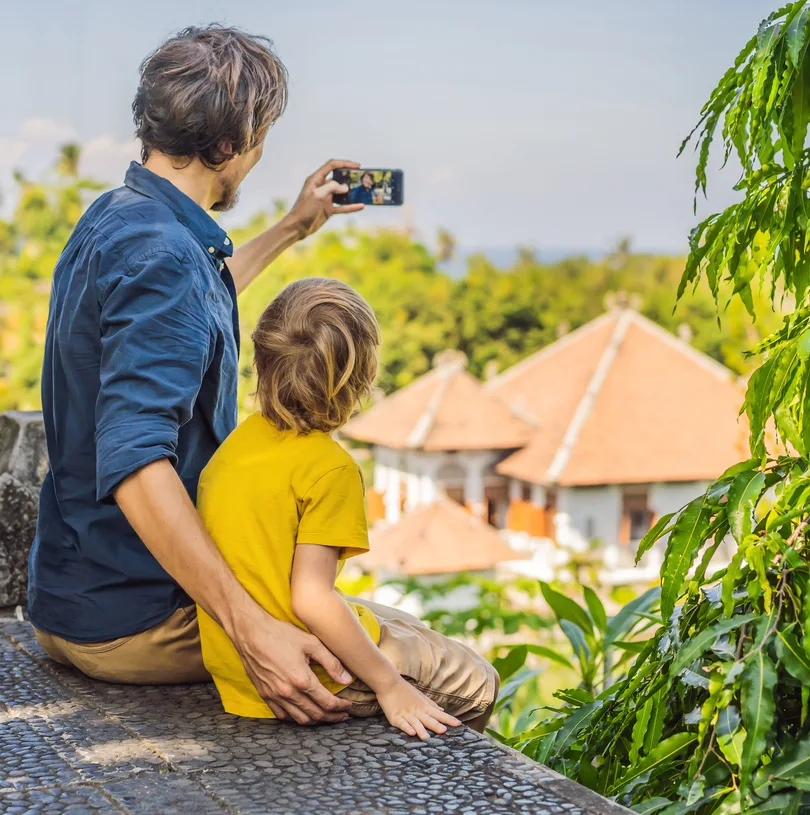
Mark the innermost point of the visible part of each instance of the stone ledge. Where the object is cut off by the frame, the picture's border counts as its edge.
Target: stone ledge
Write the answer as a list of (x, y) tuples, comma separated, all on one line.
[(71, 745)]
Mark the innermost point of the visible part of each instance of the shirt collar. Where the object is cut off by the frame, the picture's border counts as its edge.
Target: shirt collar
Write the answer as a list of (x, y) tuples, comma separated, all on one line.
[(202, 225)]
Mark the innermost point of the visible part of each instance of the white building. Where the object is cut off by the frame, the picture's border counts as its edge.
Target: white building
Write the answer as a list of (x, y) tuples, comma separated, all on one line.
[(590, 439)]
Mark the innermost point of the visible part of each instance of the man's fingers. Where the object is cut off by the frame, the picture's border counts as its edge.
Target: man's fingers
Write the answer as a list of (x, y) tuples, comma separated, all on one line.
[(346, 208), (319, 176), (327, 702), (278, 710), (329, 662), (330, 188)]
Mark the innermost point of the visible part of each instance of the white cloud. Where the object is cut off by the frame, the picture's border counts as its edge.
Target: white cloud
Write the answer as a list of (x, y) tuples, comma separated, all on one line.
[(106, 159), (35, 147)]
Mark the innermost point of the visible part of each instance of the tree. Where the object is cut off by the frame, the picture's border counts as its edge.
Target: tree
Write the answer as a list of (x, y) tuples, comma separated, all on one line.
[(712, 716)]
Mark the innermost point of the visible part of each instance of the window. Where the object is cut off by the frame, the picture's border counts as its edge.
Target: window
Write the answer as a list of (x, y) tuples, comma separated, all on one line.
[(637, 518)]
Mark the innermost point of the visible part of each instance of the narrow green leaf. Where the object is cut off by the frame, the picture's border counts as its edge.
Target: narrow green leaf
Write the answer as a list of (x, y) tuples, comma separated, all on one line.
[(549, 653), (792, 656), (696, 645), (596, 608), (742, 498), (792, 762), (565, 608), (785, 803), (655, 724), (576, 720), (665, 751), (659, 529), (651, 806), (640, 729), (688, 534), (620, 625), (758, 707)]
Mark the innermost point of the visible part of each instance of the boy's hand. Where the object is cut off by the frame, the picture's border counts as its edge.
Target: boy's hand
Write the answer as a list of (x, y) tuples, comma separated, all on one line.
[(412, 712)]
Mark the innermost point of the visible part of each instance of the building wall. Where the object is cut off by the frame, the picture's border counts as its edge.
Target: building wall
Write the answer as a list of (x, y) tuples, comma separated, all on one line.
[(595, 512), (666, 498)]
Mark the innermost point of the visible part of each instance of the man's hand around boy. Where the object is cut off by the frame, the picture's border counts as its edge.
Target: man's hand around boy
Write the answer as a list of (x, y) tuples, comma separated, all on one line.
[(277, 657), (412, 712)]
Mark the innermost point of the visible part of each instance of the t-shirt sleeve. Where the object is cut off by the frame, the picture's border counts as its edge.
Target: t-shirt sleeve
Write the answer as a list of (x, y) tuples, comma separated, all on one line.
[(334, 512)]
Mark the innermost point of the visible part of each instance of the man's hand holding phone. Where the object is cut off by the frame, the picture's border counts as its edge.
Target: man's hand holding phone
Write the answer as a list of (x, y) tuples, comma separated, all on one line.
[(315, 203)]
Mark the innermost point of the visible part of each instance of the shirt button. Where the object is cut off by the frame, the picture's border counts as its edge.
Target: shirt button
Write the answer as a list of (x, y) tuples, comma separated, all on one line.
[(221, 266), (211, 249), (227, 241)]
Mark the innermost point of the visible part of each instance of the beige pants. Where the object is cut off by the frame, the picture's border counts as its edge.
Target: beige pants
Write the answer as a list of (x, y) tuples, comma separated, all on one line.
[(166, 654), (460, 681), (450, 673)]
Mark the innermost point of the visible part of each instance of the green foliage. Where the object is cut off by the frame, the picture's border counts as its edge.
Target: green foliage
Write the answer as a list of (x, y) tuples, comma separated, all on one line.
[(711, 716)]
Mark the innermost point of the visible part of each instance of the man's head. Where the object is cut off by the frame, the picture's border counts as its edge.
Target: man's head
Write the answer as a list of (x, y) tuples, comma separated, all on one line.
[(315, 349), (367, 180), (210, 94)]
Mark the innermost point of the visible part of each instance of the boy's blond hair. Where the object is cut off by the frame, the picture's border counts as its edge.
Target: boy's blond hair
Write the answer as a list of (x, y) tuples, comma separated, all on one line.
[(316, 354)]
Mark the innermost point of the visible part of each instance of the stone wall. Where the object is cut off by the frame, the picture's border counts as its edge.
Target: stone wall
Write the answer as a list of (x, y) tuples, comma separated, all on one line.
[(23, 462)]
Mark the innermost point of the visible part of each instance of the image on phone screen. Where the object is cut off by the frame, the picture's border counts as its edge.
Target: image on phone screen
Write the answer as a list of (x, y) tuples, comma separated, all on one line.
[(373, 187)]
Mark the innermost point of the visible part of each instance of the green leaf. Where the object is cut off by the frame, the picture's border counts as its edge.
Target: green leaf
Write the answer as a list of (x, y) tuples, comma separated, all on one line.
[(665, 751), (511, 663), (565, 608), (785, 803), (640, 729), (792, 762), (655, 724), (791, 654), (549, 653), (695, 646), (742, 498), (796, 37), (621, 624), (575, 722), (688, 534), (596, 608), (758, 707), (651, 806), (659, 529)]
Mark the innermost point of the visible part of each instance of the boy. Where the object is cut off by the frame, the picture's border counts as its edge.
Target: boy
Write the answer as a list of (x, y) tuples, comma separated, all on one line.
[(284, 503)]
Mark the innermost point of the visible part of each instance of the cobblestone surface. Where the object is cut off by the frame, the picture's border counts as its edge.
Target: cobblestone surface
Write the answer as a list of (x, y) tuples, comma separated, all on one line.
[(71, 745)]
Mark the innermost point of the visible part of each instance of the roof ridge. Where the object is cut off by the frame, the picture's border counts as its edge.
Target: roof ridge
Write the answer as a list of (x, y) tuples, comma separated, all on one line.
[(704, 360), (424, 424), (548, 350), (585, 405)]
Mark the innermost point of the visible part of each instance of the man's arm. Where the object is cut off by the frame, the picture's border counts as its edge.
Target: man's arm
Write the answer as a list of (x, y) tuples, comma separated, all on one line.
[(276, 655), (309, 213)]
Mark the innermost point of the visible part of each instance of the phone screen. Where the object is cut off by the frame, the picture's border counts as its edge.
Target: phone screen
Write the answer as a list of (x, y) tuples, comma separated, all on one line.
[(373, 187)]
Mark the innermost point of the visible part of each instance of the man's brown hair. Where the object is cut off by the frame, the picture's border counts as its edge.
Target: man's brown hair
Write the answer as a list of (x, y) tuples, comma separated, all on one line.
[(208, 93), (316, 355)]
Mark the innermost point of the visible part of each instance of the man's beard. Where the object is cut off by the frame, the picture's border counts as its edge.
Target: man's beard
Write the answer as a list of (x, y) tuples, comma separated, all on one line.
[(229, 197)]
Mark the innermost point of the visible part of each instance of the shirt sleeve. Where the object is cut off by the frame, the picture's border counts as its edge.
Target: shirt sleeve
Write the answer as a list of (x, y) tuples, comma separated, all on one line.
[(334, 512), (155, 349)]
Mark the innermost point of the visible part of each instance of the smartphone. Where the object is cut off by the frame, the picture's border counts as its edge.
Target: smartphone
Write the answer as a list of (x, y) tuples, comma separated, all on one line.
[(374, 187)]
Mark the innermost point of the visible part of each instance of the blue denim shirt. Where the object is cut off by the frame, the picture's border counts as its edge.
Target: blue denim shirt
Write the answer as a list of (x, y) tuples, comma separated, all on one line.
[(140, 364)]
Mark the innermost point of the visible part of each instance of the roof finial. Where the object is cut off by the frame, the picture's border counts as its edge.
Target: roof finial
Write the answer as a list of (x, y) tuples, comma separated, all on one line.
[(450, 359)]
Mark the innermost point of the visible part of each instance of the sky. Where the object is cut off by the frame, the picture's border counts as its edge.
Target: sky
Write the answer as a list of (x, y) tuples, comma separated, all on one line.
[(539, 123)]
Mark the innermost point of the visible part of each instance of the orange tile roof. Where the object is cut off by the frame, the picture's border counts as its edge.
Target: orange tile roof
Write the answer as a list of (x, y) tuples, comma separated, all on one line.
[(621, 400), (446, 409), (438, 538)]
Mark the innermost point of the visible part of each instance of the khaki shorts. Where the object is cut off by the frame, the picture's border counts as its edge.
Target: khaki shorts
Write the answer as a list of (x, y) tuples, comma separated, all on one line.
[(169, 653), (450, 673)]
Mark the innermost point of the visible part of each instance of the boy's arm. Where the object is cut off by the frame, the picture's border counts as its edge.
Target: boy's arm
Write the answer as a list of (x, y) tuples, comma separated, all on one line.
[(327, 615)]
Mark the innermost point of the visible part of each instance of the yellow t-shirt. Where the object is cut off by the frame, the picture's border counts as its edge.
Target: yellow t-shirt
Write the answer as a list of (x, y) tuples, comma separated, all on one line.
[(264, 491)]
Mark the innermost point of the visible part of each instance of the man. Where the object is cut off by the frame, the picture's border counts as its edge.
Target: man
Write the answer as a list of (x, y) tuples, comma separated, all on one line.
[(362, 193), (139, 388)]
